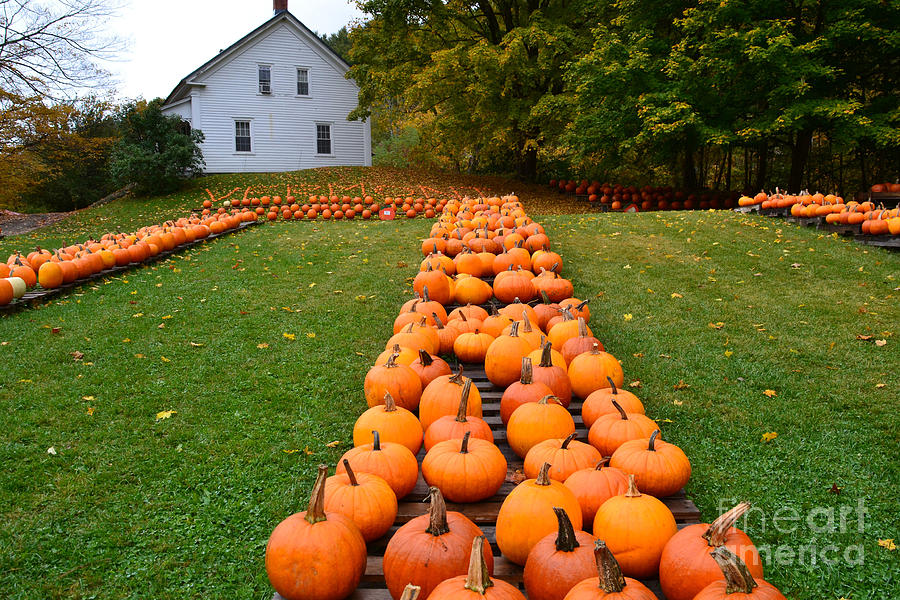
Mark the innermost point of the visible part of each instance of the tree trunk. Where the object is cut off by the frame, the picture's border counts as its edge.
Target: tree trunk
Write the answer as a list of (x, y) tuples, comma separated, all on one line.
[(528, 164), (728, 171), (799, 159), (688, 170), (763, 168)]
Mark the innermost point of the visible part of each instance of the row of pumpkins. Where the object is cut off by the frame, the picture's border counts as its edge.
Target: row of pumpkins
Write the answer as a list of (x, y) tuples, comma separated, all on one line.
[(647, 197), (542, 359), (872, 219), (52, 269), (330, 207)]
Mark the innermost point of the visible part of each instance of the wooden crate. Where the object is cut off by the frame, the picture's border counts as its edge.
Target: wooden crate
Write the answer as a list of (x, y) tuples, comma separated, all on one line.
[(484, 513)]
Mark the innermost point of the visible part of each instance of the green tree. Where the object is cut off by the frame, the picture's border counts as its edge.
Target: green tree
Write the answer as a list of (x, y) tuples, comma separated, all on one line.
[(339, 41), (154, 150), (487, 74)]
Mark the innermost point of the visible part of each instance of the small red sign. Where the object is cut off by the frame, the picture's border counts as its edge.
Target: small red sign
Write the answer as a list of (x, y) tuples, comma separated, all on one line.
[(387, 214), (631, 208)]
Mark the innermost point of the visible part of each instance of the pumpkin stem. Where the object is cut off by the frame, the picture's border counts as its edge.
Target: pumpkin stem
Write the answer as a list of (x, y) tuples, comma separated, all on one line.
[(543, 477), (315, 513), (389, 404), (527, 323), (633, 491), (621, 410), (527, 376), (718, 531), (478, 579), (425, 288), (409, 328), (464, 402), (612, 384), (595, 348), (652, 445), (463, 318), (565, 536), (425, 358), (565, 444), (582, 328), (581, 306), (410, 592), (514, 329), (549, 398), (545, 298), (608, 571), (437, 321), (464, 446), (738, 578), (437, 521), (392, 360), (376, 440), (458, 379), (603, 462), (546, 359), (350, 474), (567, 315)]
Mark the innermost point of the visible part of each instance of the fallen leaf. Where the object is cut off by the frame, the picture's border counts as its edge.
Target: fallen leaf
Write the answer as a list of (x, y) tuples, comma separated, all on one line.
[(333, 444), (635, 384), (164, 359), (312, 285), (167, 317), (307, 451), (516, 477), (638, 355), (887, 544), (55, 330), (165, 414), (718, 325), (768, 437), (290, 451), (835, 489), (880, 343), (728, 353), (879, 386), (681, 385), (289, 336), (136, 315), (676, 295), (628, 316), (770, 393), (161, 326), (263, 345), (796, 265), (864, 338), (677, 402), (139, 356), (196, 345), (88, 398), (310, 335), (90, 411), (360, 298), (76, 355), (51, 450)]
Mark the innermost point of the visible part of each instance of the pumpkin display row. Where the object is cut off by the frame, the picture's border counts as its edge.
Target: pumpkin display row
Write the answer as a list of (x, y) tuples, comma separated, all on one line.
[(52, 269), (585, 522), (617, 195), (330, 207)]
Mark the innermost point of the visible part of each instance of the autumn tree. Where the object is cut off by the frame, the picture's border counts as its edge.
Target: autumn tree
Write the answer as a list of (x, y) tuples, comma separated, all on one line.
[(484, 79)]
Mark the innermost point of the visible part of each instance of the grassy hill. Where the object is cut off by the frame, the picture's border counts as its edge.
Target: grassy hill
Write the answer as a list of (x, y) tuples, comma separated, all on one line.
[(260, 341)]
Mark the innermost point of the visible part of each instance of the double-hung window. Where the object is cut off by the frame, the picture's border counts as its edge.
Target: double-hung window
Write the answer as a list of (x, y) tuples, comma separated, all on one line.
[(302, 82), (265, 79), (323, 138), (242, 136)]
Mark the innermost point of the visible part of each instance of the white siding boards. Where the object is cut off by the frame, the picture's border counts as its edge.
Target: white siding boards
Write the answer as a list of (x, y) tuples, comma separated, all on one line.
[(274, 101)]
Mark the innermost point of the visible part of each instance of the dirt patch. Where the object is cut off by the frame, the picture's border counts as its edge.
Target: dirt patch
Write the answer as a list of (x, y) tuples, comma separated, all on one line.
[(13, 223)]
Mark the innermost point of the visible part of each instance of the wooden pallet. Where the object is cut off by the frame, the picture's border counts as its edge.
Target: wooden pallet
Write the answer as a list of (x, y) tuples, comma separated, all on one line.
[(484, 513), (41, 295)]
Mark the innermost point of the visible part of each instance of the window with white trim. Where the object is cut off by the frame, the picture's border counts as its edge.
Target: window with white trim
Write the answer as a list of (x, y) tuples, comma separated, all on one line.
[(302, 82), (242, 136), (323, 138), (265, 79)]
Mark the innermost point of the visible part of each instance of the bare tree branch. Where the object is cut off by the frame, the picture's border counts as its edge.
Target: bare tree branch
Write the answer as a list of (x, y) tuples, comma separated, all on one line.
[(52, 48)]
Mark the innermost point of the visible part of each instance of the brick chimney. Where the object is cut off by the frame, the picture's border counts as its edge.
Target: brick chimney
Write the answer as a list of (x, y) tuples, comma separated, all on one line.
[(280, 6)]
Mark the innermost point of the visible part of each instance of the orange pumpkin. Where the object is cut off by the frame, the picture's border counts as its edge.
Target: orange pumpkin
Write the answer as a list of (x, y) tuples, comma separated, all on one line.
[(394, 424), (659, 468), (365, 499), (610, 583), (502, 362), (442, 397), (429, 367), (600, 402), (472, 347), (522, 391), (398, 380), (553, 375), (314, 555), (614, 429), (392, 462), (583, 342), (50, 275), (534, 422), (590, 371), (636, 528), (450, 428), (686, 566), (466, 470), (566, 455), (559, 561), (595, 485), (431, 548), (526, 514)]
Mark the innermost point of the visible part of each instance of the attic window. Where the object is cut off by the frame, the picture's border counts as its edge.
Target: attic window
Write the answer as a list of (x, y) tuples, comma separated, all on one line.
[(302, 82), (265, 79)]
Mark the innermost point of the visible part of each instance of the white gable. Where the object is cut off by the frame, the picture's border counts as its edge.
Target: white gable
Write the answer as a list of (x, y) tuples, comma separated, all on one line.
[(282, 123)]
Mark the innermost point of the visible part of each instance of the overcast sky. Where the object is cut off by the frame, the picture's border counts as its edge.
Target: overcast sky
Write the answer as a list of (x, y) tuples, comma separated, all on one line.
[(167, 39)]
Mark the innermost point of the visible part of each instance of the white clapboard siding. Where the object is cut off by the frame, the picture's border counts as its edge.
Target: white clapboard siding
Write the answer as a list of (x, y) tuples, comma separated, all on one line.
[(283, 124)]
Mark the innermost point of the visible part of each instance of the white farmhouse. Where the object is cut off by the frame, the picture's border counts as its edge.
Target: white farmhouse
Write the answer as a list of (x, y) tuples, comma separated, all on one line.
[(275, 100)]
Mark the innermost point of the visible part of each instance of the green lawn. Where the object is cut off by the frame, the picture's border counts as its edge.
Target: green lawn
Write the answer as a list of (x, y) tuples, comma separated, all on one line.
[(135, 507)]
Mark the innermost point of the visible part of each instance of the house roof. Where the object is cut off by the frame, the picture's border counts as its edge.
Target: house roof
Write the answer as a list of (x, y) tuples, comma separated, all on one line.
[(327, 52)]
